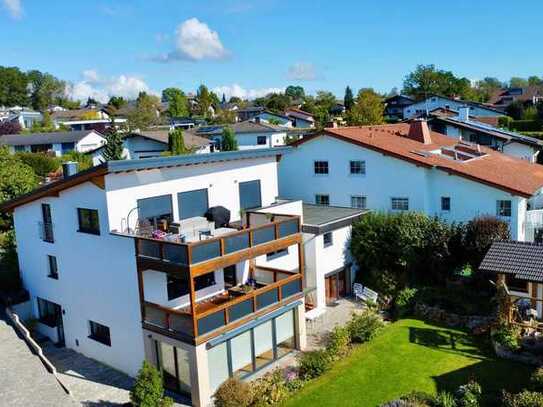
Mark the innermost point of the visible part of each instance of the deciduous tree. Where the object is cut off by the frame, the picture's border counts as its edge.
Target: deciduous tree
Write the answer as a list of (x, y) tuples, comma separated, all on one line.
[(229, 142), (295, 92), (10, 127), (177, 102), (368, 109), (427, 79), (146, 112), (13, 87)]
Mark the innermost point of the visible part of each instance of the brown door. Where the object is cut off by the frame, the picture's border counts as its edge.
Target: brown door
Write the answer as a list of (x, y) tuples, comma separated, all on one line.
[(342, 283), (331, 289)]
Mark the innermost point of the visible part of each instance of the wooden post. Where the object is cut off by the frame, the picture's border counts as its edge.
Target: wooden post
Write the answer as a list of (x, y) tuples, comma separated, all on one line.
[(193, 306)]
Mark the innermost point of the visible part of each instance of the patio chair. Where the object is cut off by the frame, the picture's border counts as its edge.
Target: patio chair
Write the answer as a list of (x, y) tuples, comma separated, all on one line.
[(358, 290)]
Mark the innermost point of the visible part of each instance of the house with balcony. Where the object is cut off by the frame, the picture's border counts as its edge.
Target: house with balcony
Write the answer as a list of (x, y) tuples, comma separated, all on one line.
[(407, 167), (423, 107), (190, 262)]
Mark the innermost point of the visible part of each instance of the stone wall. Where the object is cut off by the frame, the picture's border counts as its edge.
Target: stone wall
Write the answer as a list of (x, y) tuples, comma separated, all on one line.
[(475, 323)]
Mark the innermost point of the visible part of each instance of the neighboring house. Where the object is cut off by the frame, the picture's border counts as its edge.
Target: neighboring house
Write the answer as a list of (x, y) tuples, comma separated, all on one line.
[(528, 96), (58, 143), (407, 167), (272, 118), (25, 118), (520, 266), (395, 105), (465, 127), (186, 123), (330, 271), (249, 134), (338, 109), (84, 119), (424, 107), (247, 113), (151, 144), (127, 267), (300, 119)]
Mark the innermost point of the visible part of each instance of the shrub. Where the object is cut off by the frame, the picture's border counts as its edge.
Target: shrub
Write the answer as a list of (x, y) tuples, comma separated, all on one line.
[(523, 399), (269, 389), (405, 301), (525, 125), (536, 381), (339, 342), (480, 233), (504, 122), (364, 327), (414, 399), (41, 163), (313, 364), (469, 395), (508, 336), (148, 390), (233, 393), (444, 399)]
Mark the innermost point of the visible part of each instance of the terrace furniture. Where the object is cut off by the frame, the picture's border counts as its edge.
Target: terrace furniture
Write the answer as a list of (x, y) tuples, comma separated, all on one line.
[(364, 294)]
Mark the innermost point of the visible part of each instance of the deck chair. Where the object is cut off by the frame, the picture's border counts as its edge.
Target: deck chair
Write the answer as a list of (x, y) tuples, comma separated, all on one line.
[(358, 290)]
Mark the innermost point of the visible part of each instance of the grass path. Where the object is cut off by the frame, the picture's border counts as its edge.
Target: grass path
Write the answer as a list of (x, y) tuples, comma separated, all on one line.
[(411, 355)]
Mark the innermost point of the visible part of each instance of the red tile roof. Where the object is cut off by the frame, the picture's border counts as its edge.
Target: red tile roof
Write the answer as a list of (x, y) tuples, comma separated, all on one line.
[(493, 168)]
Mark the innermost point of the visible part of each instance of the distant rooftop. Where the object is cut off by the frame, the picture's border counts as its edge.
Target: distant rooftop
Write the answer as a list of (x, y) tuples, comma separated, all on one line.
[(44, 138)]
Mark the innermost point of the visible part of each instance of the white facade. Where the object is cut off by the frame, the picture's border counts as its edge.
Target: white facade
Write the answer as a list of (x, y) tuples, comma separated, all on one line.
[(435, 102), (386, 178), (89, 142), (248, 141)]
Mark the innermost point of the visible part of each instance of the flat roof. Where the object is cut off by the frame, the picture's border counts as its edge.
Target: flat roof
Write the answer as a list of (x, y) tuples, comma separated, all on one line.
[(321, 219)]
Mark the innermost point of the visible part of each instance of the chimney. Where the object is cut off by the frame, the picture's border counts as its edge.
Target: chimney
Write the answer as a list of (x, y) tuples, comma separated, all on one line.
[(70, 168), (463, 113), (419, 131)]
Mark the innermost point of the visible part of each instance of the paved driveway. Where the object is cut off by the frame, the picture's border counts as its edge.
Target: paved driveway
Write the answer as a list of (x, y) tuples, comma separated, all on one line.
[(24, 381)]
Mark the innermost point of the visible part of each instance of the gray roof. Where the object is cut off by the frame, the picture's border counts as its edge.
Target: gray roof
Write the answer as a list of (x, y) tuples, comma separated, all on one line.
[(321, 219), (523, 260), (238, 128), (44, 138)]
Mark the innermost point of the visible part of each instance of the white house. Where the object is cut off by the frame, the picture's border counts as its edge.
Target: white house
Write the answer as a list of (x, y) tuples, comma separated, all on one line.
[(300, 118), (189, 262), (84, 119), (466, 127), (433, 102), (58, 143), (404, 167), (152, 143), (249, 134), (272, 118), (25, 118)]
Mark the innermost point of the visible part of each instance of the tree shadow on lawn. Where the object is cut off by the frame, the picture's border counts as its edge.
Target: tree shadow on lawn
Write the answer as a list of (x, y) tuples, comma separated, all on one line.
[(449, 341)]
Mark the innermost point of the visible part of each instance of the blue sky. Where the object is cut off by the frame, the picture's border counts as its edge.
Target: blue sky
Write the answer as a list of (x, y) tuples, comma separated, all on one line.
[(250, 46)]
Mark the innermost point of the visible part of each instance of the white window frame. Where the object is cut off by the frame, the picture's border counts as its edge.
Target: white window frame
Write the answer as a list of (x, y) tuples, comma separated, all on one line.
[(316, 195), (500, 209), (363, 167), (363, 198), (321, 174), (398, 207)]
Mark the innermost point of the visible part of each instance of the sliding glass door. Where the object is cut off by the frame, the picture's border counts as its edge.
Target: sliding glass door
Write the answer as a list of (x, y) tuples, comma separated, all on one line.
[(175, 367)]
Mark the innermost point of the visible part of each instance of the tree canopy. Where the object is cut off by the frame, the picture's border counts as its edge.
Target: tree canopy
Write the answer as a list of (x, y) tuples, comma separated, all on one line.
[(348, 99), (229, 142), (367, 109), (176, 143), (113, 149), (295, 92), (145, 113), (427, 79), (178, 105)]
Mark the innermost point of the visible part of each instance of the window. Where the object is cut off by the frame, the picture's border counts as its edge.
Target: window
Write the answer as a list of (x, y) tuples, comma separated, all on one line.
[(19, 149), (177, 286), (155, 209), (321, 167), (192, 203), (48, 312), (323, 200), (88, 221), (249, 195), (445, 203), (514, 284), (261, 140), (53, 269), (327, 239), (204, 281), (47, 224), (100, 333), (276, 254), (358, 202), (400, 204), (503, 208), (358, 167), (67, 147)]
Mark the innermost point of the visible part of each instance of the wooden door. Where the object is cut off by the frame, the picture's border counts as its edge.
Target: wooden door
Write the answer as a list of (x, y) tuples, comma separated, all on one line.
[(331, 288), (342, 283)]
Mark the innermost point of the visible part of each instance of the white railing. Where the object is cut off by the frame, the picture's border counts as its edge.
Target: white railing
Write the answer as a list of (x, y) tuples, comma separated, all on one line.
[(534, 218)]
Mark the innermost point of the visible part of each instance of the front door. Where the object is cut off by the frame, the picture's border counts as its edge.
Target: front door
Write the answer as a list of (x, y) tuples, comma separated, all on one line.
[(331, 289), (60, 328)]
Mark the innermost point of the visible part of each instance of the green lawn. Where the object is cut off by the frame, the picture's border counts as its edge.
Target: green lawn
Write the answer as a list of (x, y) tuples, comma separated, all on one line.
[(411, 355)]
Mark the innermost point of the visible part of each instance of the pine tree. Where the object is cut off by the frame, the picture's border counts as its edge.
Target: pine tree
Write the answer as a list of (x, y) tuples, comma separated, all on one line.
[(348, 100), (229, 142), (176, 142), (113, 150)]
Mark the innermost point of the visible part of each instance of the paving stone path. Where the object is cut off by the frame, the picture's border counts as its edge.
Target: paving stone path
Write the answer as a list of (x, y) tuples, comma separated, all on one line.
[(24, 381)]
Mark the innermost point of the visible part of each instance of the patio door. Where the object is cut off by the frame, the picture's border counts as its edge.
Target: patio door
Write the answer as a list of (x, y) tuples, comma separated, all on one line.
[(335, 286), (174, 365)]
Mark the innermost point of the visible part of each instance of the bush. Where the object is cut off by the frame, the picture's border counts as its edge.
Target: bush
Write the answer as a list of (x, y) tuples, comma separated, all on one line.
[(525, 125), (339, 342), (41, 163), (444, 399), (536, 381), (233, 393), (469, 395), (269, 389), (313, 364), (414, 399), (508, 336), (405, 301), (480, 233), (148, 390), (504, 122), (523, 399), (364, 327)]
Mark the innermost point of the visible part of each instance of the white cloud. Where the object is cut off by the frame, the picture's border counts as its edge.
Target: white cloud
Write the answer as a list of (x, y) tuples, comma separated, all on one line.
[(238, 91), (302, 71), (99, 88), (14, 8), (195, 41)]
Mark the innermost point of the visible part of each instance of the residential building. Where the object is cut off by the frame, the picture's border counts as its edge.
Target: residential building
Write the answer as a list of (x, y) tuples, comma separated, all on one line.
[(58, 143), (25, 118), (249, 134), (300, 119), (186, 123), (84, 119), (273, 118), (395, 105), (151, 144), (432, 102), (407, 167), (247, 113), (189, 262), (530, 95), (519, 266), (468, 128)]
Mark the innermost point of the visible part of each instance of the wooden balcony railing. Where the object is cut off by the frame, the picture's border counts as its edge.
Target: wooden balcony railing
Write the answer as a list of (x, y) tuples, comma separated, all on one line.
[(187, 254), (219, 317)]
